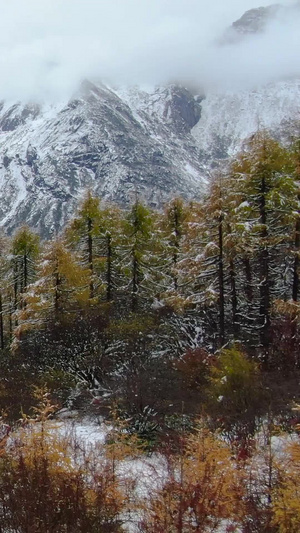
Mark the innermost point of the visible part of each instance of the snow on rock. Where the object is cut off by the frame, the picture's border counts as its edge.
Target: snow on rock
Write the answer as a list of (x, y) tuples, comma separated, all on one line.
[(113, 144), (227, 119)]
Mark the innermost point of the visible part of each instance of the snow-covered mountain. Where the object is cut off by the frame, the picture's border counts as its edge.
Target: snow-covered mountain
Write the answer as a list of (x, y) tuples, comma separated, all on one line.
[(118, 141), (115, 144)]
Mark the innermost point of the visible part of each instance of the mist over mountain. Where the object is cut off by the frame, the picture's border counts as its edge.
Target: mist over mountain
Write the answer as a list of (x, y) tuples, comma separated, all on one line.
[(47, 48), (135, 97)]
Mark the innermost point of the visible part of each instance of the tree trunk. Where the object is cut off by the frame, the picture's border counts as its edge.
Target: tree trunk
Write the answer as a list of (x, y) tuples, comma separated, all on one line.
[(16, 286), (109, 270), (10, 319), (264, 286), (248, 274), (221, 284), (57, 292), (90, 256), (25, 276), (135, 281), (176, 246), (295, 291), (234, 300), (25, 262), (1, 324)]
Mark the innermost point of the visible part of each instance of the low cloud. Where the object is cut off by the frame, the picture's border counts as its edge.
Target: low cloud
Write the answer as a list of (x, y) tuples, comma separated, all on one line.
[(47, 47)]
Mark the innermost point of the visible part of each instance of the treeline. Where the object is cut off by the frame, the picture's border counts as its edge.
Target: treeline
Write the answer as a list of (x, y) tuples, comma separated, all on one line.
[(123, 294)]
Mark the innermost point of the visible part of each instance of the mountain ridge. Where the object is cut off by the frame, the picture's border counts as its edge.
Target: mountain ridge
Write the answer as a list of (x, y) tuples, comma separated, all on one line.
[(119, 141)]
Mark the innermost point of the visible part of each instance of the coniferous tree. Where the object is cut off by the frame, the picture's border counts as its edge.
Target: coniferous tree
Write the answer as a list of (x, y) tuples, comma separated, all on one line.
[(25, 250), (24, 253), (175, 217), (83, 232), (212, 259), (295, 154), (6, 292), (262, 175), (95, 234), (138, 227), (62, 286)]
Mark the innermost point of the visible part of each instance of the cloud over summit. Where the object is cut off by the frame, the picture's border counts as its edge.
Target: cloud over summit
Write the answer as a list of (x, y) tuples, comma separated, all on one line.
[(48, 47)]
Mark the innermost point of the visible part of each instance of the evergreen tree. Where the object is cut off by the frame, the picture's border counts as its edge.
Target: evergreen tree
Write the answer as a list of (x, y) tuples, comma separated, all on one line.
[(6, 292), (62, 286), (95, 234), (209, 254), (25, 251), (175, 217), (295, 155), (83, 232), (138, 237), (267, 196)]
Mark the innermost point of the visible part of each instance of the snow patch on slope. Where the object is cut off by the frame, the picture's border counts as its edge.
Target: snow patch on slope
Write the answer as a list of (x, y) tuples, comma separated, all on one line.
[(228, 119)]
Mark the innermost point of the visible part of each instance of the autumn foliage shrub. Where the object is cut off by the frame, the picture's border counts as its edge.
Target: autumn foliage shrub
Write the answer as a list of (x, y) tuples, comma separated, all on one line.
[(286, 504), (49, 485), (16, 385), (41, 491), (203, 488), (194, 367), (50, 482), (236, 398), (285, 335)]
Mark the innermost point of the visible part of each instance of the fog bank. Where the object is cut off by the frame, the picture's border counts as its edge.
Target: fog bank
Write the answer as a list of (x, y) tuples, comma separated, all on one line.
[(47, 47)]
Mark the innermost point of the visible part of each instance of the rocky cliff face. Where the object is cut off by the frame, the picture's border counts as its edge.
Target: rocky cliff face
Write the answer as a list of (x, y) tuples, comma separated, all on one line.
[(119, 141), (116, 145)]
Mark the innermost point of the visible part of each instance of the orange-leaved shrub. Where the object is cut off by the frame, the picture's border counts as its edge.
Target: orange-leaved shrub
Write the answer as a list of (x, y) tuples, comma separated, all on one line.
[(48, 484), (286, 497), (203, 489)]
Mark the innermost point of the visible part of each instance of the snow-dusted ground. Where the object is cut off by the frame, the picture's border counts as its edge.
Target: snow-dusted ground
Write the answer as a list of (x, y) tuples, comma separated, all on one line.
[(150, 472), (141, 474)]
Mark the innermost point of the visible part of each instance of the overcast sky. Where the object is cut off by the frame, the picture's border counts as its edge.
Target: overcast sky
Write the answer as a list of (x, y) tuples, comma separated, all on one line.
[(48, 46)]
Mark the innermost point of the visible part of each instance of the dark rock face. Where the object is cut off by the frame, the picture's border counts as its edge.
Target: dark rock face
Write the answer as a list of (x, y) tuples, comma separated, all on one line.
[(255, 21), (31, 156), (182, 108)]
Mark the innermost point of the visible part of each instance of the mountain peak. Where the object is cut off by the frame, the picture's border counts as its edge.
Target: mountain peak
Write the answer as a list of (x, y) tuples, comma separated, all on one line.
[(252, 22), (255, 20)]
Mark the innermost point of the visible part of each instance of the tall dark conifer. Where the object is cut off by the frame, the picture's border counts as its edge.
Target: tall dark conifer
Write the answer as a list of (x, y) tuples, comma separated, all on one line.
[(262, 177), (138, 228)]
